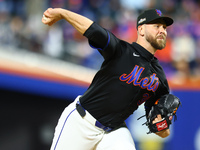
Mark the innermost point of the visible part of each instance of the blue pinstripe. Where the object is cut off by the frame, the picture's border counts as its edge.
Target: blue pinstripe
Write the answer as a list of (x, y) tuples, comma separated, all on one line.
[(63, 128)]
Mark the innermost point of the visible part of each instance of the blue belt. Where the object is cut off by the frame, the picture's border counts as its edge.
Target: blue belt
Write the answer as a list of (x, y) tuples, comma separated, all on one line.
[(82, 113)]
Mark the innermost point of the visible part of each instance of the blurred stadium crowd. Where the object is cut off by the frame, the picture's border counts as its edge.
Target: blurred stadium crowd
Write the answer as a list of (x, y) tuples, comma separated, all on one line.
[(21, 27)]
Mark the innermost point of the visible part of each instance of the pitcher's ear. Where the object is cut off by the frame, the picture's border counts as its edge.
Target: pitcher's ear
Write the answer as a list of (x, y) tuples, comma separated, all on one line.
[(141, 30)]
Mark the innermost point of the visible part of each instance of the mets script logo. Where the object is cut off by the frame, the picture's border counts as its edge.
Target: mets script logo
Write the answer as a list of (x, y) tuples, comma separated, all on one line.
[(151, 84)]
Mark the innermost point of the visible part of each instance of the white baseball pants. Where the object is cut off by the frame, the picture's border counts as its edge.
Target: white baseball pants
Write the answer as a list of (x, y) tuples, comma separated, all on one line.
[(74, 132)]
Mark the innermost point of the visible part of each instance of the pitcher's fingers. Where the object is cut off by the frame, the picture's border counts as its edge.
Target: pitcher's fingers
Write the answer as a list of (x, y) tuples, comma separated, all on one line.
[(48, 12), (45, 19), (159, 117)]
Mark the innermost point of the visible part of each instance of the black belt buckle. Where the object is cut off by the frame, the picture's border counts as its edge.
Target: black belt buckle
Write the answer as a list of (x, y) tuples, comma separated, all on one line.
[(80, 110)]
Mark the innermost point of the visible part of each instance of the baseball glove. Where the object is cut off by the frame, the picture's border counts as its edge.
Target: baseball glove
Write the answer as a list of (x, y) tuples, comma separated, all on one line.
[(166, 106)]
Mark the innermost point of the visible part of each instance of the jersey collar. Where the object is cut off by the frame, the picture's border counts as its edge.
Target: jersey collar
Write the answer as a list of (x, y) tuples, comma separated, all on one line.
[(143, 52)]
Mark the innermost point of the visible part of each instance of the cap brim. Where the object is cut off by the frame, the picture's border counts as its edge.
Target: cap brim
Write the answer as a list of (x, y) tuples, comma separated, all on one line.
[(169, 21)]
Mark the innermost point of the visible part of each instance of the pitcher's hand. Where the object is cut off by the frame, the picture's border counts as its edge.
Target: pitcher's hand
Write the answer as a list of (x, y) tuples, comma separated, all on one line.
[(51, 16)]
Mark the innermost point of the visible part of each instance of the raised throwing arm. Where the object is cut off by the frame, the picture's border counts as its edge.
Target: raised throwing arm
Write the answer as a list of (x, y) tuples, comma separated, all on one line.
[(79, 22)]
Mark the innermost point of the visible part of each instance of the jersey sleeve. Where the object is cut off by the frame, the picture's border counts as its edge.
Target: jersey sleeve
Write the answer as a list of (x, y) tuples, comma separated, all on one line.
[(103, 40), (148, 104)]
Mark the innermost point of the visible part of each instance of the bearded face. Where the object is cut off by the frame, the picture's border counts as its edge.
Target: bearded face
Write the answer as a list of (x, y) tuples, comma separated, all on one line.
[(158, 42)]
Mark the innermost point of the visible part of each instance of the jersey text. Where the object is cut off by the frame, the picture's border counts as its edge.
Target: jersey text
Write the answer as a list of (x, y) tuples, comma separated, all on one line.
[(151, 84)]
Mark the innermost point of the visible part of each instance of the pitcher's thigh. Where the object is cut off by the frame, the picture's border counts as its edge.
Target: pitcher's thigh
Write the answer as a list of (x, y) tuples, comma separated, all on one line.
[(119, 139), (75, 133)]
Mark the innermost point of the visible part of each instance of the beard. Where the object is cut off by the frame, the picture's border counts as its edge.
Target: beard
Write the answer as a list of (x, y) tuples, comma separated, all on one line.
[(156, 43)]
